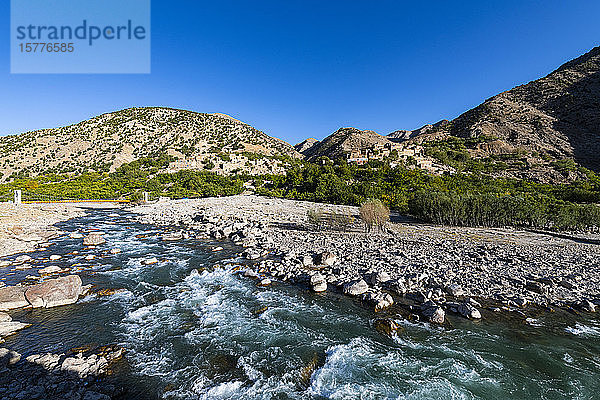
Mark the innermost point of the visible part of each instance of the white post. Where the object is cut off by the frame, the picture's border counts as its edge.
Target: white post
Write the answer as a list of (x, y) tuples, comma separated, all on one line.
[(17, 196), (145, 197)]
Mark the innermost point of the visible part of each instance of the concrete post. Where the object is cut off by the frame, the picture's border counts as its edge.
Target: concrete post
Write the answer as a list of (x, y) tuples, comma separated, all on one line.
[(146, 197), (17, 196)]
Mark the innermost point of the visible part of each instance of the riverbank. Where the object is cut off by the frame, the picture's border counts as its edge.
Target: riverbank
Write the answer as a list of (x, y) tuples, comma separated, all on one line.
[(433, 269), (191, 326), (24, 227)]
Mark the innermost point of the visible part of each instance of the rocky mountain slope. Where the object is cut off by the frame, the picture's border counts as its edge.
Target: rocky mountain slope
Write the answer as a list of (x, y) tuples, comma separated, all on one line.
[(557, 116), (402, 135), (110, 140), (343, 141), (305, 145)]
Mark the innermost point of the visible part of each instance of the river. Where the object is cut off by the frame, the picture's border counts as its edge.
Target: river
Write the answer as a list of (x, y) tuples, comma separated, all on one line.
[(196, 332)]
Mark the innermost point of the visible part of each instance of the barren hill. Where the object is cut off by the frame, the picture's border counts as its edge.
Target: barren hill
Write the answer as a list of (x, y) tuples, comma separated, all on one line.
[(558, 115), (343, 141), (109, 140)]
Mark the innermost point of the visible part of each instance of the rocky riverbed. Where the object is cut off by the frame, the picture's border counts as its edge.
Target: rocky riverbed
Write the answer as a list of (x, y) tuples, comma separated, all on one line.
[(429, 270), (25, 227), (246, 297), (77, 374)]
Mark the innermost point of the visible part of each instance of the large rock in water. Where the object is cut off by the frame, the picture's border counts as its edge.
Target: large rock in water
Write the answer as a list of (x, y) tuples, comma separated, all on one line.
[(8, 357), (55, 292), (93, 239), (12, 297)]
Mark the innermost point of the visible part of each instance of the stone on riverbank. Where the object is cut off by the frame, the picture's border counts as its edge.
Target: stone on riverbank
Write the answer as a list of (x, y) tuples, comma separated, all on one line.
[(379, 278), (85, 366), (8, 357), (60, 376), (588, 306), (455, 290), (433, 312), (378, 299), (54, 292), (318, 282), (12, 297), (53, 269), (265, 282), (356, 288), (10, 327), (23, 258), (468, 311), (93, 239)]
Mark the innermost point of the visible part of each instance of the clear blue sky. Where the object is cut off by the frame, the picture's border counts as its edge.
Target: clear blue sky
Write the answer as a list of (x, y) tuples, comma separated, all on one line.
[(302, 68)]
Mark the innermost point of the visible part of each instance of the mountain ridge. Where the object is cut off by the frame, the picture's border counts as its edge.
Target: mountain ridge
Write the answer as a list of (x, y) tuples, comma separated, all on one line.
[(111, 139)]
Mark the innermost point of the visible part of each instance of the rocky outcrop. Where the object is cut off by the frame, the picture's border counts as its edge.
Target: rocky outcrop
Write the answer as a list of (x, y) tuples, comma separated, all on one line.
[(54, 292), (558, 115), (429, 129)]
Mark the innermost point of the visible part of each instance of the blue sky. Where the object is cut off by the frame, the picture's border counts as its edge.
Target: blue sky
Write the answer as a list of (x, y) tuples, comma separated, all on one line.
[(297, 69)]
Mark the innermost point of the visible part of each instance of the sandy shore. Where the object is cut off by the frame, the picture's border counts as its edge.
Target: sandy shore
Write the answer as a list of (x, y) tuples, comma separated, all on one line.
[(23, 227), (436, 267)]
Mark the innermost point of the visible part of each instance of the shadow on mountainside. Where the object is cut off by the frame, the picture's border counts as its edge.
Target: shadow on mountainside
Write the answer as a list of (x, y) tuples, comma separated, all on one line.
[(578, 117)]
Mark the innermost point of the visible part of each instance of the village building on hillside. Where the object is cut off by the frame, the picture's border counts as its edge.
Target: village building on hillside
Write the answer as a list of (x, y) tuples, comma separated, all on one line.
[(411, 153), (230, 164)]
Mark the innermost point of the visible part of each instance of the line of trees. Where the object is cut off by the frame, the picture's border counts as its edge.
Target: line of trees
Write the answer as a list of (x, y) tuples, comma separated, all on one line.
[(460, 199), (490, 210), (127, 182)]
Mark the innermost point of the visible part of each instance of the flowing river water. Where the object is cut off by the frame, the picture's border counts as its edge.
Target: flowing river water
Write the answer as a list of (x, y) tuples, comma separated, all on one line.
[(195, 332)]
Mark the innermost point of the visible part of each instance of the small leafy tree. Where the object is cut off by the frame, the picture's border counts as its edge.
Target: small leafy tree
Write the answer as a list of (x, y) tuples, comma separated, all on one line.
[(374, 214)]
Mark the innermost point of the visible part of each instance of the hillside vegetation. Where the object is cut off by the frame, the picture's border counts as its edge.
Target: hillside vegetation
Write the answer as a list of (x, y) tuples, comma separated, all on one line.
[(104, 143)]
